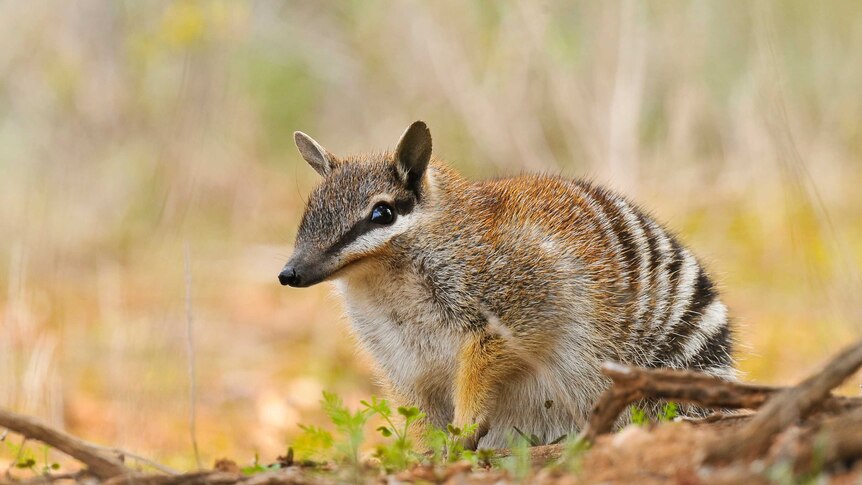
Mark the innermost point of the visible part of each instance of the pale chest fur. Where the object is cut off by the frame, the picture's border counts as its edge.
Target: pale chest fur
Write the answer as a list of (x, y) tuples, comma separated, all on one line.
[(397, 323)]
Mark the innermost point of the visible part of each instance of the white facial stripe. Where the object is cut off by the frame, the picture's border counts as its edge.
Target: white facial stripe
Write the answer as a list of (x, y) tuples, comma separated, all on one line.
[(377, 237)]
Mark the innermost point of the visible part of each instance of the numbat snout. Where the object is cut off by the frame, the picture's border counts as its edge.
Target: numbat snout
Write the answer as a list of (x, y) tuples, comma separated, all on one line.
[(482, 301)]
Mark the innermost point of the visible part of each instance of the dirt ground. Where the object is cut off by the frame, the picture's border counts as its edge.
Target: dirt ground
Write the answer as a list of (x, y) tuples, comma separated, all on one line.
[(657, 454), (799, 434)]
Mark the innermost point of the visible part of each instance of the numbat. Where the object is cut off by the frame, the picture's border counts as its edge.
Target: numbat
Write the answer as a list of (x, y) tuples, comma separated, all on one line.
[(496, 302)]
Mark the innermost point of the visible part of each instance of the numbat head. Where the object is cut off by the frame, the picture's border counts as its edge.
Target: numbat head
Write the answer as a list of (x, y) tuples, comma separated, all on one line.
[(360, 206), (481, 302)]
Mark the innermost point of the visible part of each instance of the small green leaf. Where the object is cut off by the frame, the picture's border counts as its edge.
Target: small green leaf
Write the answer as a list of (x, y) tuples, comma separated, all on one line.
[(386, 432), (521, 434), (55, 466), (559, 440), (251, 470), (469, 429), (313, 443), (379, 406), (408, 413), (453, 430)]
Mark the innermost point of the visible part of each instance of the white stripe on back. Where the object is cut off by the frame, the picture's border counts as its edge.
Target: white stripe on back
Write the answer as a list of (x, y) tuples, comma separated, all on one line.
[(633, 225), (685, 290), (662, 290), (604, 223), (714, 318)]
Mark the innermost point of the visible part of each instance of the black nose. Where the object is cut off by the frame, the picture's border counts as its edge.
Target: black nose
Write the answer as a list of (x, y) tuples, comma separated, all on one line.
[(288, 277)]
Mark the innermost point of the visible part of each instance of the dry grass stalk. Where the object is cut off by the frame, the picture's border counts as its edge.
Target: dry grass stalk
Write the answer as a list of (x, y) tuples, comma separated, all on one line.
[(190, 345)]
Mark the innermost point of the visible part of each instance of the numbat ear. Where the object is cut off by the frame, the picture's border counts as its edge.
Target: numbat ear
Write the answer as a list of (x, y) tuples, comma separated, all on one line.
[(412, 154), (320, 160)]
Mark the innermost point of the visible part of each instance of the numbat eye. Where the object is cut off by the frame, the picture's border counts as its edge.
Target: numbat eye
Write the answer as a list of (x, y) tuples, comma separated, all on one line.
[(382, 214)]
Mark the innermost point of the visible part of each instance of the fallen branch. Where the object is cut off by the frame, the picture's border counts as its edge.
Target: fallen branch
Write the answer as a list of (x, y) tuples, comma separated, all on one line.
[(99, 464), (784, 408), (838, 439), (631, 384)]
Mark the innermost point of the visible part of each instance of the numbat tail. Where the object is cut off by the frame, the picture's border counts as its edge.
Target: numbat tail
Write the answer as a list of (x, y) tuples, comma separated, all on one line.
[(495, 302)]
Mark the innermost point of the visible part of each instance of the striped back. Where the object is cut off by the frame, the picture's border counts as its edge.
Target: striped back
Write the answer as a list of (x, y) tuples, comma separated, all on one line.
[(675, 318)]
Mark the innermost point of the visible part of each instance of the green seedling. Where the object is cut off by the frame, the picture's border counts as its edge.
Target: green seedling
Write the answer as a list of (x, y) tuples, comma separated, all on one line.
[(534, 440), (318, 443), (26, 459), (47, 465), (314, 443), (343, 445), (448, 445), (399, 454), (350, 426), (639, 417), (258, 467)]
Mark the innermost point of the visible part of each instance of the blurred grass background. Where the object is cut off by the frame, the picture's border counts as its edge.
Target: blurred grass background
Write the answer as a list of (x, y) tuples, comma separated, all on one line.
[(129, 129)]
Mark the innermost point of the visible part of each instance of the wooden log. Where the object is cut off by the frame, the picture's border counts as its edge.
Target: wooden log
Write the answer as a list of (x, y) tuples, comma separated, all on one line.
[(99, 464), (631, 384), (786, 407)]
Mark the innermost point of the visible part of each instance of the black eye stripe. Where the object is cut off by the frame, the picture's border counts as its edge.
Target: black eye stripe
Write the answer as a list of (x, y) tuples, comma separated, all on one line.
[(402, 207)]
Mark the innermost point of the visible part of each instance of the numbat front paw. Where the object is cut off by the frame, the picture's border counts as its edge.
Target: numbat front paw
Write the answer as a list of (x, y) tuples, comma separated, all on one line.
[(469, 438)]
